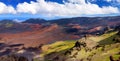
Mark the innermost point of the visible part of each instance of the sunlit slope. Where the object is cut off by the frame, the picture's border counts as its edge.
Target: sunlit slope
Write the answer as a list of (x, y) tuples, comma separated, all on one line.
[(57, 47), (103, 37), (108, 47)]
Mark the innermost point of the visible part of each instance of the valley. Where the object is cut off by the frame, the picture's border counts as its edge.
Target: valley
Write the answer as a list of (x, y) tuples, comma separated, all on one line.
[(68, 39)]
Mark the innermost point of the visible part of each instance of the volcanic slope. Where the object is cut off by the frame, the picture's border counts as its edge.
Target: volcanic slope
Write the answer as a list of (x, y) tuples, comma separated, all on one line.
[(34, 38), (104, 47)]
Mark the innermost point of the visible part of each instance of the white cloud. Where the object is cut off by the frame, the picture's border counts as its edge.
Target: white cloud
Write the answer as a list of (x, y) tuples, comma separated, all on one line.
[(51, 9), (70, 8), (6, 9)]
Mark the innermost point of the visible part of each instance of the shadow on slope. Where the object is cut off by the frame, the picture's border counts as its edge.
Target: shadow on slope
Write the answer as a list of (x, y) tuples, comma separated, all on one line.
[(109, 40)]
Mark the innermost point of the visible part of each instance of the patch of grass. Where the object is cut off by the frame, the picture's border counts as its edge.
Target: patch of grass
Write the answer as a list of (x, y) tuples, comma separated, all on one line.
[(102, 37), (104, 55), (116, 57), (105, 38), (57, 47)]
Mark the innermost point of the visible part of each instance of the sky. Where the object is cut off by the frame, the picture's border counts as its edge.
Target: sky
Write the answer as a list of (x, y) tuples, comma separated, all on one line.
[(55, 9)]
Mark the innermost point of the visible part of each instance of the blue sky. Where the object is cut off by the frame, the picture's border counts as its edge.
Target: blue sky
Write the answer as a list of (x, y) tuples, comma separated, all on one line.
[(54, 9)]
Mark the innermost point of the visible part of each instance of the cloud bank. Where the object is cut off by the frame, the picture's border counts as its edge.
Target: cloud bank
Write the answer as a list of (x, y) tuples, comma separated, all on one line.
[(51, 9), (6, 9)]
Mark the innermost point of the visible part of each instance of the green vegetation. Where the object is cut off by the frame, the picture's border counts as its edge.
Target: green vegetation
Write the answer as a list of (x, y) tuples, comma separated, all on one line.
[(108, 38), (116, 57), (108, 47), (103, 37), (57, 47)]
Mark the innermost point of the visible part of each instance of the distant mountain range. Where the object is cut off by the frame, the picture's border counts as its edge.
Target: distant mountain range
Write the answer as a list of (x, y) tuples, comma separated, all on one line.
[(35, 21), (83, 22)]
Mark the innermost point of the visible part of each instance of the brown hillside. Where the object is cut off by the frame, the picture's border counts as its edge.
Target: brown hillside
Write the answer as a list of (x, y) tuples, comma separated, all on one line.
[(44, 35)]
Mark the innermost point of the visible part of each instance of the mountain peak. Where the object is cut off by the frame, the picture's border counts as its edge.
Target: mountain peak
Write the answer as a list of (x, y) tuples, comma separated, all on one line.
[(35, 21)]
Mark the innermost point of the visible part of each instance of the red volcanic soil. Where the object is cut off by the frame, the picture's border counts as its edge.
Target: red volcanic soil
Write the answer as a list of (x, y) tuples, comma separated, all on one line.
[(95, 29), (34, 38)]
